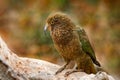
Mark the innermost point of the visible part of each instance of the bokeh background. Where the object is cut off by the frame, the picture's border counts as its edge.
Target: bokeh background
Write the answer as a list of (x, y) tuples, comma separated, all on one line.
[(22, 22)]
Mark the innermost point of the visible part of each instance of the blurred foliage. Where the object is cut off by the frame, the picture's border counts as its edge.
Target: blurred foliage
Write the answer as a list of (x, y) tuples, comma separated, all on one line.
[(22, 23)]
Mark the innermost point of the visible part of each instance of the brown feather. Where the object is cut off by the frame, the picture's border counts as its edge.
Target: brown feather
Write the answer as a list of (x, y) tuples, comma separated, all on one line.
[(67, 41)]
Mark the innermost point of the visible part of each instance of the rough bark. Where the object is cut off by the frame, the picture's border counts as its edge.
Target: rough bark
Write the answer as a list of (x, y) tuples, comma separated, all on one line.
[(13, 67)]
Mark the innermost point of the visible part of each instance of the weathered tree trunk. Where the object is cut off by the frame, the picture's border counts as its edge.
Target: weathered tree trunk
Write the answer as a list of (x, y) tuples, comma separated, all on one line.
[(13, 67)]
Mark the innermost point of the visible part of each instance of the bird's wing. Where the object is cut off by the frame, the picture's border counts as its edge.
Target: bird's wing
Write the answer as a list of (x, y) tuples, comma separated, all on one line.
[(86, 46)]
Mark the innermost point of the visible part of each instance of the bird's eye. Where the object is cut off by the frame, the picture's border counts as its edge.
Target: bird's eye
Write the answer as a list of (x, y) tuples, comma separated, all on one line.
[(52, 22)]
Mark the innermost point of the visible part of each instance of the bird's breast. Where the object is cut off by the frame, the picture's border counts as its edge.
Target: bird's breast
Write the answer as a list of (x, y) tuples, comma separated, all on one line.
[(67, 43), (70, 51), (62, 37)]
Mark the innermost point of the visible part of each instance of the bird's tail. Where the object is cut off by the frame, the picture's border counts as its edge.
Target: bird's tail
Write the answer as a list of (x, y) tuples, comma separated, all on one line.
[(97, 63)]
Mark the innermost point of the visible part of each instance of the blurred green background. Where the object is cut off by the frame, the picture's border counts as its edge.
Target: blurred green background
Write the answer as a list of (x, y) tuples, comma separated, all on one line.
[(22, 22)]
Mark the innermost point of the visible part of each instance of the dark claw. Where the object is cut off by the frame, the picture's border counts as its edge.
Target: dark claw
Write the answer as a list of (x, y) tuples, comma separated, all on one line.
[(59, 70), (67, 73), (62, 68)]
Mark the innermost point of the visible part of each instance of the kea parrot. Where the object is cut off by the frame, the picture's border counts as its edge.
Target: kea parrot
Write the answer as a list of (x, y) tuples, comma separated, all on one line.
[(71, 42)]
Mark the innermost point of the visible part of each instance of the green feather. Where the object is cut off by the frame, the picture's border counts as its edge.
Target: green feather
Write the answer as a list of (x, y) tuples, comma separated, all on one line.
[(86, 46)]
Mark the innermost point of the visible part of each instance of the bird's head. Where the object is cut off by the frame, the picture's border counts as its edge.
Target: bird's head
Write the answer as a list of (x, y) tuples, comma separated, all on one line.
[(56, 20)]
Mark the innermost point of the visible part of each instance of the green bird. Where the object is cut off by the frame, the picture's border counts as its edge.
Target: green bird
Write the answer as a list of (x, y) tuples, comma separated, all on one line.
[(72, 43)]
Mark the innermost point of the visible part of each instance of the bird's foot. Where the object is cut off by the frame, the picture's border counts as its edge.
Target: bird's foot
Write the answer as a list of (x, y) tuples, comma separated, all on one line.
[(60, 70), (72, 71)]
